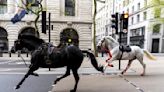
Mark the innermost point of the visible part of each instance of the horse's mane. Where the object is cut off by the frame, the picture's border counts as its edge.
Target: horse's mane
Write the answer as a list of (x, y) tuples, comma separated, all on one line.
[(32, 38), (111, 39)]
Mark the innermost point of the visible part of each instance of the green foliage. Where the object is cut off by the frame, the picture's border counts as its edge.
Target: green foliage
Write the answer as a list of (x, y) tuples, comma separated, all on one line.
[(157, 12), (155, 2), (156, 28)]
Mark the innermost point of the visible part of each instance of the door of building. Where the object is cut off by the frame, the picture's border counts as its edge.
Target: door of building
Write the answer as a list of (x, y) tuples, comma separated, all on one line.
[(155, 46), (69, 35)]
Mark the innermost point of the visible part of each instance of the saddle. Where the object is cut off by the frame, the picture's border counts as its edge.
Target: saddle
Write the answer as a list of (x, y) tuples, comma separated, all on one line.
[(48, 47), (125, 48)]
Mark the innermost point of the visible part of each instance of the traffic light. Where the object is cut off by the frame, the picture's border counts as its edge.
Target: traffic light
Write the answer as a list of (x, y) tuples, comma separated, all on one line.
[(44, 22), (114, 21), (125, 20)]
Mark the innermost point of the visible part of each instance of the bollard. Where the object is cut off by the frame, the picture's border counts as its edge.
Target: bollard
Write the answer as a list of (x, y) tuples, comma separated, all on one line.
[(1, 54), (19, 53), (27, 54), (9, 54)]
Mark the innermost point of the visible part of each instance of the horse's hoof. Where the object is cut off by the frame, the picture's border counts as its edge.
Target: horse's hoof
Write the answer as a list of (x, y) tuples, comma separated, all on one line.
[(72, 90), (55, 82), (35, 74), (53, 85), (122, 73), (17, 87), (142, 74), (101, 69), (111, 65)]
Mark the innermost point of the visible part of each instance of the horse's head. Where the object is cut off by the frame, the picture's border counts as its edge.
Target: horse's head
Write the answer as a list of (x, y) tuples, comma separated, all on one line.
[(17, 46), (101, 44), (28, 42), (107, 42)]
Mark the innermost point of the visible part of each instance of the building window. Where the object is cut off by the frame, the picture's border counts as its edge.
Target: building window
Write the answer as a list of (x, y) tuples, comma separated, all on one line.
[(138, 18), (145, 3), (132, 21), (138, 6), (157, 12), (138, 32), (3, 6), (132, 9), (128, 10), (128, 2), (144, 15), (70, 7), (3, 40), (123, 3), (156, 28)]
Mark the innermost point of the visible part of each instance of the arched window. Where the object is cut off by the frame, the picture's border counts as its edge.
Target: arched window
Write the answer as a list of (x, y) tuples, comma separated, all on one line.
[(69, 34), (70, 7), (3, 40), (29, 31), (3, 6)]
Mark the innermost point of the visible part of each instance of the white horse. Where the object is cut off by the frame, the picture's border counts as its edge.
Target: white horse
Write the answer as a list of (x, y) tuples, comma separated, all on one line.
[(136, 52)]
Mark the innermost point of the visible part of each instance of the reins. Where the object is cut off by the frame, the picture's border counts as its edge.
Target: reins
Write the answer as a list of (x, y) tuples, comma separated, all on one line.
[(24, 61)]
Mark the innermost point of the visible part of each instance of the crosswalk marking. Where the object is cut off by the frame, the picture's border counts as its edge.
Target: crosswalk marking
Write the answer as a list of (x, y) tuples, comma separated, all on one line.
[(5, 62), (14, 62)]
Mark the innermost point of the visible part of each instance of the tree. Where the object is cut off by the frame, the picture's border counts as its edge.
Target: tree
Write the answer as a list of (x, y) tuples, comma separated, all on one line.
[(94, 27), (157, 6), (94, 24), (28, 6)]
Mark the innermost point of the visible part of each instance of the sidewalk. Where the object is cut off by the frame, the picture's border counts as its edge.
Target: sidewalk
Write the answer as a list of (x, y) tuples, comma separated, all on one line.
[(94, 83), (112, 81)]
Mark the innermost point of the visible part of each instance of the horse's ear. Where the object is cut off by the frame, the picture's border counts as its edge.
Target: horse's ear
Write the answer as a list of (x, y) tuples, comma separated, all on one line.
[(104, 38)]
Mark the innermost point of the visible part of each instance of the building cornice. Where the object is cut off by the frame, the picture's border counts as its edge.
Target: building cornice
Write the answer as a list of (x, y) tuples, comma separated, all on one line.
[(143, 9)]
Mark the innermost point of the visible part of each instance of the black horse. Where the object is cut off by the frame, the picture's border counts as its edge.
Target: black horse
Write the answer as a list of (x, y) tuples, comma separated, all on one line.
[(47, 56)]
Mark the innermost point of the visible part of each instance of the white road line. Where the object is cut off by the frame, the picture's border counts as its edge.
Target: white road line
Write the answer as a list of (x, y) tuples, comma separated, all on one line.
[(6, 62), (131, 83)]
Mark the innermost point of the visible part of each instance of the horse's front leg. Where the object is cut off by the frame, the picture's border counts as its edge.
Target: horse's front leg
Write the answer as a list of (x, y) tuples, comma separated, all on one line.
[(30, 71), (108, 64), (67, 73)]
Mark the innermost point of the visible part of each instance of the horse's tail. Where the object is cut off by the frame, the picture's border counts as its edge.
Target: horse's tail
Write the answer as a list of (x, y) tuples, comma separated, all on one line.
[(149, 55), (93, 61)]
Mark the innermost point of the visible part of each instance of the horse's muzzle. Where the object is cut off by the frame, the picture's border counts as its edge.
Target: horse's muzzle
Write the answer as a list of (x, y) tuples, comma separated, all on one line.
[(12, 50), (98, 48)]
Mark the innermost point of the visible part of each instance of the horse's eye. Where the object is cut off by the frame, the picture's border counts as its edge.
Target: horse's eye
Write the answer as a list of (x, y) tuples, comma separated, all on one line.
[(18, 42)]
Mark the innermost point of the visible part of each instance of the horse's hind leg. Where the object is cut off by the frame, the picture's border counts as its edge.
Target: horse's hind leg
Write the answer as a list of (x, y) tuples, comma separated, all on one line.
[(143, 64), (127, 67), (65, 75), (76, 76)]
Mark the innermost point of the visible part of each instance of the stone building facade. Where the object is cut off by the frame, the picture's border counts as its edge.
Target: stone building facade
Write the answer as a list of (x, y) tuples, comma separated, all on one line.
[(74, 18)]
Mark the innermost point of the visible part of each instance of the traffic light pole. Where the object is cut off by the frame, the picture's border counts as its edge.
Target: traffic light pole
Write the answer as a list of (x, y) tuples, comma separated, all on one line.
[(49, 30), (120, 41)]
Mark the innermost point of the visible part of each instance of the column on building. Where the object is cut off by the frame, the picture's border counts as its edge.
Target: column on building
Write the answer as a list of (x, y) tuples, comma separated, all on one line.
[(10, 6), (44, 4)]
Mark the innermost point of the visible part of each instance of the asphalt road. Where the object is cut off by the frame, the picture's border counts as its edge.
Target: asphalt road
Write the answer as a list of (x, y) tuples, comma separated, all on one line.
[(32, 84), (12, 71)]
